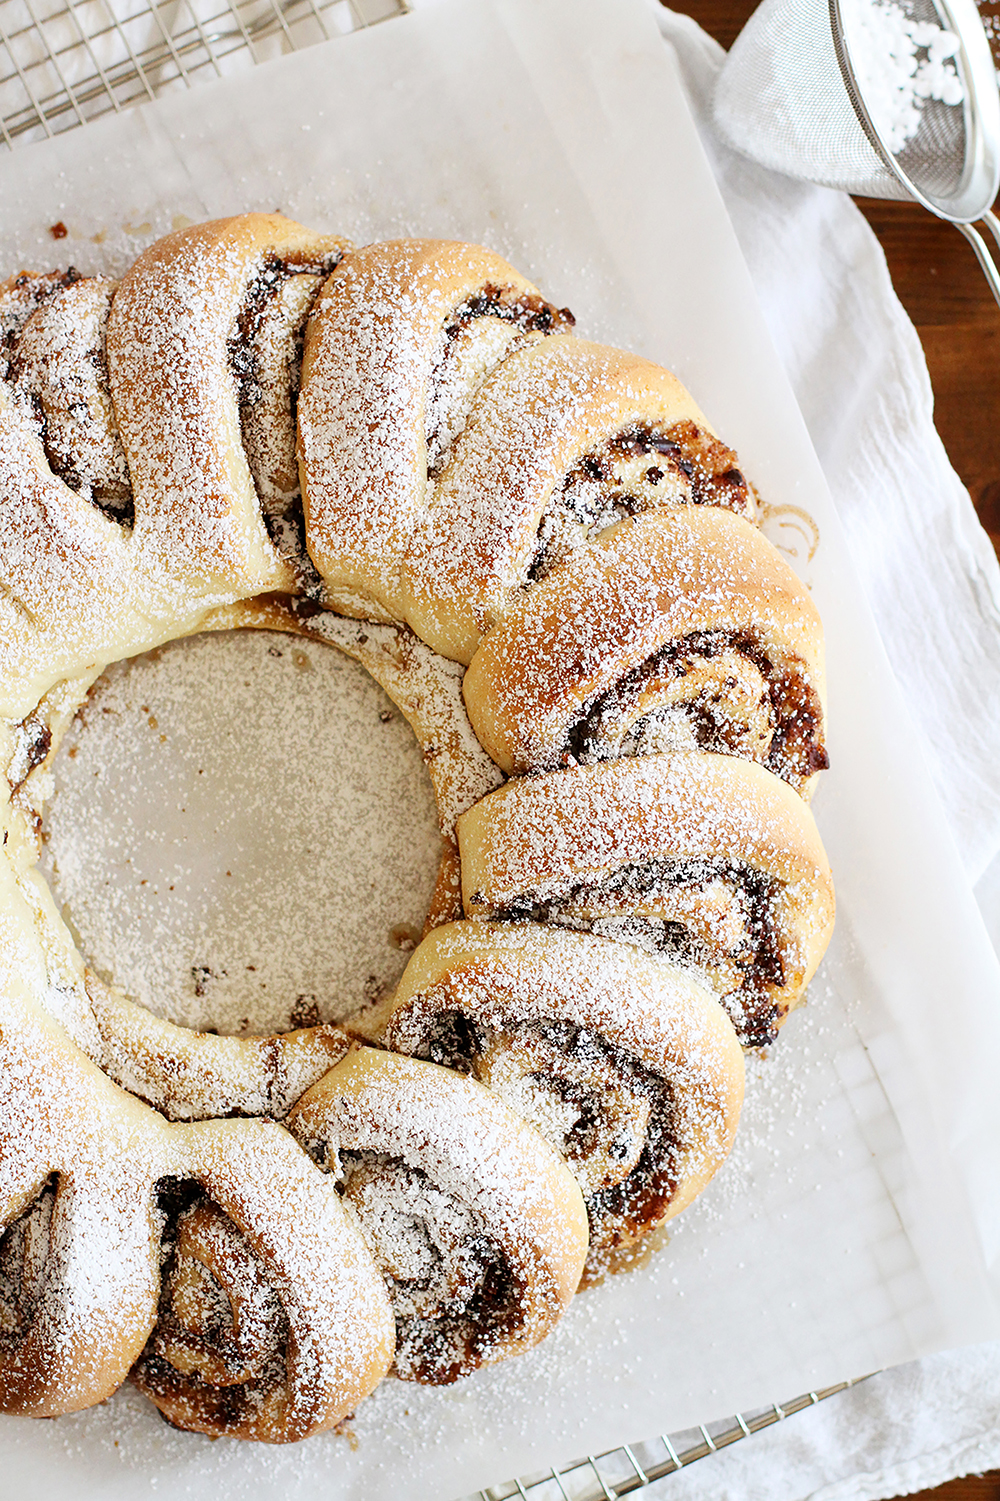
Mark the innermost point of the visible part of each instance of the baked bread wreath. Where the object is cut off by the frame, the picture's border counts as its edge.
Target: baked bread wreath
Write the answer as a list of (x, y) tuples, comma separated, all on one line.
[(547, 558)]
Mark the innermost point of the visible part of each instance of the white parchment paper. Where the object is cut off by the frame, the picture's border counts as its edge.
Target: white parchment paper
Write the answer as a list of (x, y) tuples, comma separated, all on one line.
[(858, 1222)]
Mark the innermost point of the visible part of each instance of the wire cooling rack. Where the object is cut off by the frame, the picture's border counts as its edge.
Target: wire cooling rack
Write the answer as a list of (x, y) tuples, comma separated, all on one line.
[(619, 1472), (64, 63)]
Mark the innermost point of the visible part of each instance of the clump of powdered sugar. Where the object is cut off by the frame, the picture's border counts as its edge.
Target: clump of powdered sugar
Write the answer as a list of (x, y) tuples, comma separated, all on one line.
[(900, 63)]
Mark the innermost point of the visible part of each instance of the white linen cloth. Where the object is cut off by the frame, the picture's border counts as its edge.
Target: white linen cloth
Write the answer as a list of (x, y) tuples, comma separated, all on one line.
[(933, 583)]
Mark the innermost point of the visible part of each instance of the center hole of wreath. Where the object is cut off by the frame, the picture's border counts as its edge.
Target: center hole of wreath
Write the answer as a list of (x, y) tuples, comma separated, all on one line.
[(243, 835)]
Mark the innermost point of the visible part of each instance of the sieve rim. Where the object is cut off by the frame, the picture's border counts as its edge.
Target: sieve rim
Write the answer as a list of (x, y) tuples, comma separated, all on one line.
[(980, 181)]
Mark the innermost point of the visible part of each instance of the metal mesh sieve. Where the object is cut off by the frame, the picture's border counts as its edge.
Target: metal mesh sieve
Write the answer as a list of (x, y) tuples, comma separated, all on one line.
[(789, 97)]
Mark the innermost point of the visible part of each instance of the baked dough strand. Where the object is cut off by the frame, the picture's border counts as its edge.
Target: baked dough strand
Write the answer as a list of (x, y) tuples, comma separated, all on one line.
[(402, 337)]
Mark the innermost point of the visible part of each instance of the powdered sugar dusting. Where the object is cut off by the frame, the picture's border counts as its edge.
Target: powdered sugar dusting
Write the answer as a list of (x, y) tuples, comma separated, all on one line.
[(265, 887), (190, 326), (512, 499)]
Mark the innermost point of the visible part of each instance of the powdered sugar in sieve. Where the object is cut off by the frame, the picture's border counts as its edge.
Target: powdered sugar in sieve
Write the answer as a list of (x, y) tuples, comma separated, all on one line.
[(900, 63)]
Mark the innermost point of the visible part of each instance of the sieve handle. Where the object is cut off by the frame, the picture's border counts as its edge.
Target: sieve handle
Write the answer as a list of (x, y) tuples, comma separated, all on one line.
[(982, 250), (992, 224)]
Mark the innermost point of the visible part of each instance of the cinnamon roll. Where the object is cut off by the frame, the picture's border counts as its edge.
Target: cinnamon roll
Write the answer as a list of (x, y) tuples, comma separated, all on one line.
[(478, 1228), (673, 632), (707, 858), (400, 341), (189, 334), (626, 1064), (273, 1320), (55, 348), (564, 440)]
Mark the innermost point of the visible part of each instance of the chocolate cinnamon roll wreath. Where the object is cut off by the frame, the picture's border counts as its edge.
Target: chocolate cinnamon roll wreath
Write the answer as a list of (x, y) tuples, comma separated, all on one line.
[(402, 452)]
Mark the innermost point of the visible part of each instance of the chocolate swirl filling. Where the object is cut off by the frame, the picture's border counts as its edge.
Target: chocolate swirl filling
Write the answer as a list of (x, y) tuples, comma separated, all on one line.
[(712, 691), (716, 916), (501, 318), (221, 1338), (265, 350), (454, 1294), (25, 1250), (641, 469), (610, 1117), (53, 329)]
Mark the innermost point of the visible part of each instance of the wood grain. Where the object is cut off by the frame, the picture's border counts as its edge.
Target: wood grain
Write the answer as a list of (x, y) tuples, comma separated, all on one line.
[(971, 1488), (943, 290)]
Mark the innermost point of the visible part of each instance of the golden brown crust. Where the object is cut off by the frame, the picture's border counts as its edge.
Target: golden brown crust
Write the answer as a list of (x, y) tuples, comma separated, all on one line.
[(587, 637), (192, 1075), (66, 595), (78, 1249), (76, 1303), (335, 1340)]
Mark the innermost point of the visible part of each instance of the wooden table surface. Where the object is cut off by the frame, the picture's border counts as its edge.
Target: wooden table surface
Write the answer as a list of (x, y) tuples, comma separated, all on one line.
[(942, 288)]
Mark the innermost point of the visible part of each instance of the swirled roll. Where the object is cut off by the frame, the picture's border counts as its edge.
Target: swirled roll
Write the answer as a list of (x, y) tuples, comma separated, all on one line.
[(477, 1226), (706, 857), (626, 1064), (273, 1320), (673, 632), (79, 558), (78, 1278), (190, 328), (564, 439), (402, 336)]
